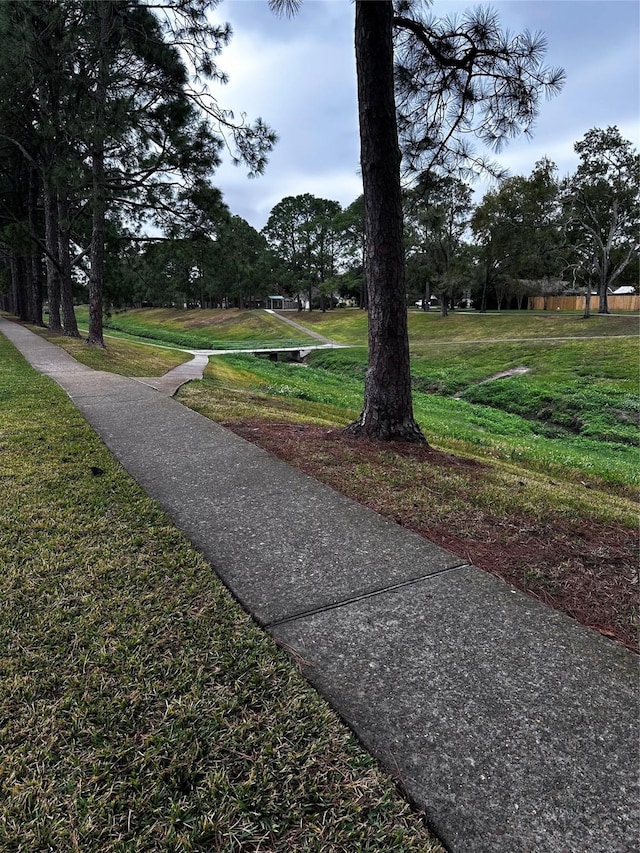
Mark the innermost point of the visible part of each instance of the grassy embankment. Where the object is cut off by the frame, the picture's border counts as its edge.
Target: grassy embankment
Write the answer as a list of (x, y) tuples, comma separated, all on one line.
[(201, 329), (140, 708), (575, 413), (125, 356)]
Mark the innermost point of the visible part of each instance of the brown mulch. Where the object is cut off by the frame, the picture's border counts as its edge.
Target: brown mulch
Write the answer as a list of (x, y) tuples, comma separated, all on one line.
[(583, 568)]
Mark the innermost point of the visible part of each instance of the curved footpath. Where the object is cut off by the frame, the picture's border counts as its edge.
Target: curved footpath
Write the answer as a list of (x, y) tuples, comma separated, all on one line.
[(513, 727)]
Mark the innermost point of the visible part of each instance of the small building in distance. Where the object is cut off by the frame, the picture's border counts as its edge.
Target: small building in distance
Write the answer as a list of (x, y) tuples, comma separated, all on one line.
[(281, 303)]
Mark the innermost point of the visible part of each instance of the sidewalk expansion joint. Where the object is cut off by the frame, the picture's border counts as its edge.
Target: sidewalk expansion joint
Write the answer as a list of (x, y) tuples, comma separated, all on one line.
[(305, 614)]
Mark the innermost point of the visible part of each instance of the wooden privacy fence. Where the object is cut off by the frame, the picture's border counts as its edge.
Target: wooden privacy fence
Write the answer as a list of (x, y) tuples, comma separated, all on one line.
[(576, 303)]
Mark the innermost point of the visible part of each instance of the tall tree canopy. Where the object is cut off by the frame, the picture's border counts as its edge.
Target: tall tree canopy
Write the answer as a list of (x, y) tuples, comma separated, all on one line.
[(518, 227), (462, 79), (303, 231), (437, 211)]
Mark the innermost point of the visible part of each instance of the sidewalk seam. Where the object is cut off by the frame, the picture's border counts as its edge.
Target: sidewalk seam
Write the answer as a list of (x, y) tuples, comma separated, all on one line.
[(305, 614)]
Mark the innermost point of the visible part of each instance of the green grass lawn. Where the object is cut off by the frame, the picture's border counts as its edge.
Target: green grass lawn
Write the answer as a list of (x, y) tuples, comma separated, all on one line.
[(349, 326), (126, 357), (574, 413), (202, 328), (140, 707), (331, 394)]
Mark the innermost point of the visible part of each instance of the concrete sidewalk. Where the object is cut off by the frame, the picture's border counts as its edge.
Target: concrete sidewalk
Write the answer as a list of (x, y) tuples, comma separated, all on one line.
[(514, 728)]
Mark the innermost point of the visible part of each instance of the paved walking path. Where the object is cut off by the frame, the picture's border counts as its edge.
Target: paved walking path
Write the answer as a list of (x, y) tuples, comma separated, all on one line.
[(300, 328), (513, 727)]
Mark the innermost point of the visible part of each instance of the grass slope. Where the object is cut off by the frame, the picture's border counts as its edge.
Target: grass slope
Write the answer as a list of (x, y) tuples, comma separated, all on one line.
[(427, 328), (331, 394), (204, 328), (140, 708), (124, 357)]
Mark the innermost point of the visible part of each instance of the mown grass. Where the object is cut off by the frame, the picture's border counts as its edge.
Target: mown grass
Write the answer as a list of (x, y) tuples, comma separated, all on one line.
[(236, 386), (426, 328), (124, 357), (574, 413), (581, 378), (203, 328), (140, 708)]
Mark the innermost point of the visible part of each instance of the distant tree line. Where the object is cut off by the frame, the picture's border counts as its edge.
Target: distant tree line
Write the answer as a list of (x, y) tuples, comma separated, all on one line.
[(528, 235), (535, 235)]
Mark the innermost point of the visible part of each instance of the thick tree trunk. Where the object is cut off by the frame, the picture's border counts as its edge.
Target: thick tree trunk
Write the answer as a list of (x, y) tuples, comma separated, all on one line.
[(51, 260), (388, 406), (35, 308), (95, 337), (363, 289), (69, 324), (24, 264)]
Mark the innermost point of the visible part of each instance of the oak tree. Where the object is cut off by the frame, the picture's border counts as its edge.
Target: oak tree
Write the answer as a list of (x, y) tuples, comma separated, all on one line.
[(602, 208)]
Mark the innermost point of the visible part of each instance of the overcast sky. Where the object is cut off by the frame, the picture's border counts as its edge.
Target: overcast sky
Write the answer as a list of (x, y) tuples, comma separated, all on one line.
[(299, 76)]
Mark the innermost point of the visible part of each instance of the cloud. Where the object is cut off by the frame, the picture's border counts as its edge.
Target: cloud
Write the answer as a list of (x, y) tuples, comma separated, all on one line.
[(299, 75)]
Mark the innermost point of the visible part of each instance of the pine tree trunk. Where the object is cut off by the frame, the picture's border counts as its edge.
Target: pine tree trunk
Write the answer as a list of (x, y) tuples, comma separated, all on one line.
[(18, 286), (95, 337), (35, 260), (103, 12), (363, 288), (69, 324), (388, 406), (51, 261), (35, 310)]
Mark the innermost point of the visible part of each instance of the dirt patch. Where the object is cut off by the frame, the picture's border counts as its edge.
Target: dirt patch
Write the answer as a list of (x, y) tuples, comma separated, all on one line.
[(505, 374), (583, 568)]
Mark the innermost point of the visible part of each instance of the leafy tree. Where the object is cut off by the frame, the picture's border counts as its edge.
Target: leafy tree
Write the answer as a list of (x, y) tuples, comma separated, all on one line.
[(350, 227), (302, 231), (602, 209), (437, 214), (462, 78), (24, 148), (518, 228), (240, 264), (453, 79)]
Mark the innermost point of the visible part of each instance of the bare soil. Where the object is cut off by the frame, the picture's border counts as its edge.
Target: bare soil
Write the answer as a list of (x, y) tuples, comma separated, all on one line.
[(585, 569)]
